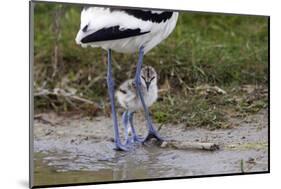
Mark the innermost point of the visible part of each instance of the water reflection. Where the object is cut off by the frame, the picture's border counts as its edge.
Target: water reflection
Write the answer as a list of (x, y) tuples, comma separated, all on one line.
[(143, 163)]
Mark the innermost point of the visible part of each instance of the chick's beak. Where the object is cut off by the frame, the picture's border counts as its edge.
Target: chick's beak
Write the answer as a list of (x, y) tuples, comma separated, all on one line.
[(147, 85)]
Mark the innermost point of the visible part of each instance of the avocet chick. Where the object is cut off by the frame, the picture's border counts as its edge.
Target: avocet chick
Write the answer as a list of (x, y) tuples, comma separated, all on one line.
[(129, 99)]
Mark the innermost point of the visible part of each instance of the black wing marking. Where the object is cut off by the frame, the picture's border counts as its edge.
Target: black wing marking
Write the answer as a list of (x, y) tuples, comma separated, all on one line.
[(147, 15), (111, 33)]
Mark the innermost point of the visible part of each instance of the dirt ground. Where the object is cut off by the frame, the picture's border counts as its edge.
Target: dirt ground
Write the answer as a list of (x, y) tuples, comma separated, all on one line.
[(79, 149)]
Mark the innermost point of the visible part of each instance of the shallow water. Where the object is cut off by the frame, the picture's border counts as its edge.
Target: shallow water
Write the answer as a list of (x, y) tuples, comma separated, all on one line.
[(142, 164), (80, 151)]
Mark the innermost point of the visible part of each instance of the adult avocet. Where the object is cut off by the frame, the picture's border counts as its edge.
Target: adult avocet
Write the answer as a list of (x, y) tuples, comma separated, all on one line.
[(125, 31)]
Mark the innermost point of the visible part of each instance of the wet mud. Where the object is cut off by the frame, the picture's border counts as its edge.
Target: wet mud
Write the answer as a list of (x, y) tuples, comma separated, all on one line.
[(79, 149)]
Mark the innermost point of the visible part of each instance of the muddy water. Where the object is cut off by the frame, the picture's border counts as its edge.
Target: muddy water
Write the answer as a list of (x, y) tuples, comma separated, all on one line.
[(75, 150)]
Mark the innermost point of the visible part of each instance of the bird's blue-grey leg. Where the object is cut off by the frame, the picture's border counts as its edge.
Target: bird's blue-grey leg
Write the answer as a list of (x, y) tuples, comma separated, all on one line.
[(110, 83), (152, 133), (125, 120), (136, 138)]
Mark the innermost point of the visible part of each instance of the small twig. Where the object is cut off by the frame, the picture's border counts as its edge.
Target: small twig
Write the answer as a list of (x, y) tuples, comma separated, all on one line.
[(160, 127), (184, 145), (82, 99), (63, 93), (56, 33), (40, 117), (242, 165)]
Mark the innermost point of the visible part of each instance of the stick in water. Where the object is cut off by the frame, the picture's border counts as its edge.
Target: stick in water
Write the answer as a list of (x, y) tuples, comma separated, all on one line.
[(184, 145)]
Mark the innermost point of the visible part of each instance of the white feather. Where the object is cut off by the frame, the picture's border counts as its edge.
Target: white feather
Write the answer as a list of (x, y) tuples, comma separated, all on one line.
[(131, 101), (97, 18)]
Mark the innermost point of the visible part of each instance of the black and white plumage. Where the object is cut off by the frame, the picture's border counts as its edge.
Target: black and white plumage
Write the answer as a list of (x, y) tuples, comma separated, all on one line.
[(124, 30)]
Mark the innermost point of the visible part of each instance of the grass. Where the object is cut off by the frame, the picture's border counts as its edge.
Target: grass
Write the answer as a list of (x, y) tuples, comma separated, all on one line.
[(229, 51), (191, 110), (212, 110)]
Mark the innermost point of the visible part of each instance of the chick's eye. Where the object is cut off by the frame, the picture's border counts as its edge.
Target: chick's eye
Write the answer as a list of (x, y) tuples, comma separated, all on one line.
[(143, 78), (152, 78)]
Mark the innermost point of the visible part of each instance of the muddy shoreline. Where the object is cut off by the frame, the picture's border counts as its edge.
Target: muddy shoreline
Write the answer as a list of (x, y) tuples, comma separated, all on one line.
[(80, 149)]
